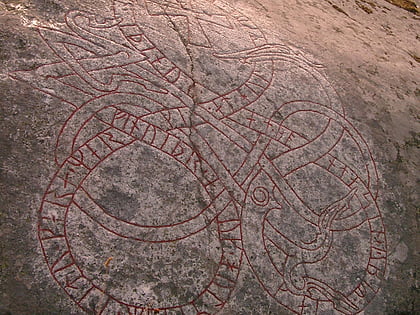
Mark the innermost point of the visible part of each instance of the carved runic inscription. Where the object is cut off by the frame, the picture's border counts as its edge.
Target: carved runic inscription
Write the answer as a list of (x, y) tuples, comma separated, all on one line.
[(195, 146)]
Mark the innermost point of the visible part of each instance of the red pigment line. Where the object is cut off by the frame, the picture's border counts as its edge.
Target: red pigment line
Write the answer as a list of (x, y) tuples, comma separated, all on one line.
[(224, 286), (59, 259), (65, 267), (135, 238), (227, 279), (231, 229), (69, 283), (273, 263), (51, 237), (152, 226), (285, 237), (87, 292), (216, 297), (226, 221), (275, 244)]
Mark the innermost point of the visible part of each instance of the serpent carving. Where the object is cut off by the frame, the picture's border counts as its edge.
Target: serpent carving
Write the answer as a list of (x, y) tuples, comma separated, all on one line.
[(250, 155)]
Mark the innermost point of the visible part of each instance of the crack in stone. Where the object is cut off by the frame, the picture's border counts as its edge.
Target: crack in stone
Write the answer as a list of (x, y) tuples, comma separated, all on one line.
[(191, 91)]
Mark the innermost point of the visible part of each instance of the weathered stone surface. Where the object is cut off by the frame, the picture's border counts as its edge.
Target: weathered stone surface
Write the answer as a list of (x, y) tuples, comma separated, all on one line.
[(203, 157)]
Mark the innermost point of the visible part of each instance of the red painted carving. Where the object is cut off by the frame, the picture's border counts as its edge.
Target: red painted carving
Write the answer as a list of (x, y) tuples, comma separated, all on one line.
[(115, 76)]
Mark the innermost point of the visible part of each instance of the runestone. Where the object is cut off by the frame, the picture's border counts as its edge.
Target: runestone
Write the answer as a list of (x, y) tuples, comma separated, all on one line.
[(196, 146)]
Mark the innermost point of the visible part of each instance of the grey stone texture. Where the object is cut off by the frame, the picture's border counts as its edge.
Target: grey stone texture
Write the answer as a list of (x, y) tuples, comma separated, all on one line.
[(209, 157)]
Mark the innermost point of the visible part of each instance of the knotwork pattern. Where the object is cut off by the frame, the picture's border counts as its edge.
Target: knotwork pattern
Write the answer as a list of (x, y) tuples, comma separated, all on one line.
[(194, 145)]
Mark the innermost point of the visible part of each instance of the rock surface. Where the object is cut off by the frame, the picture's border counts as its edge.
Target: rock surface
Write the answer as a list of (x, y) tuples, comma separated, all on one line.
[(203, 157)]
